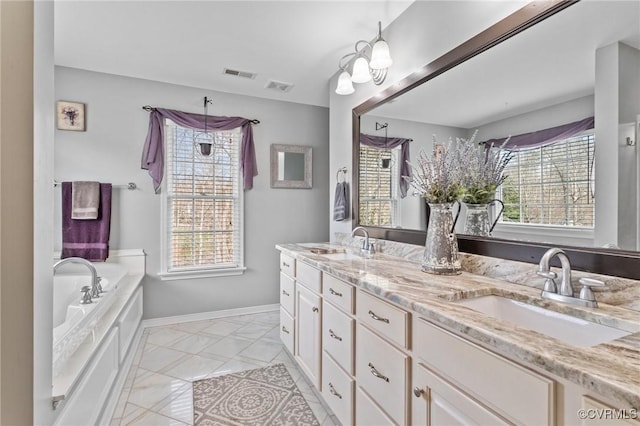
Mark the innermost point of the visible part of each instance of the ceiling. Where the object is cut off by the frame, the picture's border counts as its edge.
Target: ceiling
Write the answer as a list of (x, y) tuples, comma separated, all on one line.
[(191, 42), (552, 62)]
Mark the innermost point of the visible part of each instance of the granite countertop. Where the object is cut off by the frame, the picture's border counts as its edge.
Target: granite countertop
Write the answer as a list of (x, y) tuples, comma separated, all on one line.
[(610, 369)]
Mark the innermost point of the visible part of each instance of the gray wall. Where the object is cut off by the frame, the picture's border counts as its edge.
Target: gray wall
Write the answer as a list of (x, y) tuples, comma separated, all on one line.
[(110, 151)]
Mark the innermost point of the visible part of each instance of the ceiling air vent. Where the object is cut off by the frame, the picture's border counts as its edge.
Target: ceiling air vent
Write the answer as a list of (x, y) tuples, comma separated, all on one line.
[(236, 73), (279, 86)]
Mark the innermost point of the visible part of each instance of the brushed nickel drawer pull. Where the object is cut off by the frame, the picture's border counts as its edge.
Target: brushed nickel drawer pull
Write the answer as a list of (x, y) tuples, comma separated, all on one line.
[(314, 309), (286, 265), (335, 293), (377, 318), (377, 373), (333, 391), (418, 392), (285, 330), (285, 293), (332, 334)]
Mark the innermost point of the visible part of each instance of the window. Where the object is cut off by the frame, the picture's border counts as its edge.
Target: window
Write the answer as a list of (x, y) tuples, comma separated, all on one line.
[(202, 201), (552, 184), (378, 186)]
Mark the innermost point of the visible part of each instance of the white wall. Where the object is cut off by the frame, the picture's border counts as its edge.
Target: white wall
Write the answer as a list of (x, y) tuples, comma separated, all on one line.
[(110, 151), (425, 31)]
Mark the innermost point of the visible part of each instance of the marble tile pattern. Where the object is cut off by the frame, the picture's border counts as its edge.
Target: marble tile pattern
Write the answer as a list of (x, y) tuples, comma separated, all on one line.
[(158, 389), (610, 369)]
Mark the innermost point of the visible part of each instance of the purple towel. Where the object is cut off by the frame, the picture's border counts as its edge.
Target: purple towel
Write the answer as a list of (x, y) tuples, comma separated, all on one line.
[(88, 239)]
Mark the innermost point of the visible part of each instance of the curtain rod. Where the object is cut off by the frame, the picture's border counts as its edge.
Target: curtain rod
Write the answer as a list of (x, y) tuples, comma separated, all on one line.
[(149, 108)]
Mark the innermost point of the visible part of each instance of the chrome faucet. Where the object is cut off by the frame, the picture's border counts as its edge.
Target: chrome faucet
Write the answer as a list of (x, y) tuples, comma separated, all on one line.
[(545, 271), (367, 248), (95, 281), (565, 292)]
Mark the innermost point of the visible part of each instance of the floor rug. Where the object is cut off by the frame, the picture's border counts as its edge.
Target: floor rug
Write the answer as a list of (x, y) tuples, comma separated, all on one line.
[(264, 396)]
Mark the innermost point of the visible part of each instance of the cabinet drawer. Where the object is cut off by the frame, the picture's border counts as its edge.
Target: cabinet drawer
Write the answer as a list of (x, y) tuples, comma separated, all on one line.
[(368, 413), (338, 292), (383, 318), (381, 370), (288, 265), (337, 390), (286, 329), (518, 394), (309, 277), (597, 407), (437, 402), (337, 336), (287, 293)]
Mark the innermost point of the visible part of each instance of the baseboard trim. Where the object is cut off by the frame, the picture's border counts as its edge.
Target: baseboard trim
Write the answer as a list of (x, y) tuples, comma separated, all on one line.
[(155, 322)]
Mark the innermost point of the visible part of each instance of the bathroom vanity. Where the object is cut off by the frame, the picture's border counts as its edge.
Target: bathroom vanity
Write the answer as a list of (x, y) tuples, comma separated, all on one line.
[(385, 343)]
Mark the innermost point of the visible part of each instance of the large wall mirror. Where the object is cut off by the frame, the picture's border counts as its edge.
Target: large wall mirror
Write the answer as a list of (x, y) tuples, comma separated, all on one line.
[(575, 63)]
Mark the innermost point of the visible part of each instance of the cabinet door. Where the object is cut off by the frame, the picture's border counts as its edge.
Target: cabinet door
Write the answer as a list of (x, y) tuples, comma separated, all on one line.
[(438, 403), (309, 333)]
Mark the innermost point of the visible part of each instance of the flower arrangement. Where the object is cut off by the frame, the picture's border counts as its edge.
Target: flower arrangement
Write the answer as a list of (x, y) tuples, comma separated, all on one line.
[(483, 169), (462, 170), (437, 177)]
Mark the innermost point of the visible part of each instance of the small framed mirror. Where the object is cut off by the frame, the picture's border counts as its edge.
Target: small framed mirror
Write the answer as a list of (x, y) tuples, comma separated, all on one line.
[(291, 166)]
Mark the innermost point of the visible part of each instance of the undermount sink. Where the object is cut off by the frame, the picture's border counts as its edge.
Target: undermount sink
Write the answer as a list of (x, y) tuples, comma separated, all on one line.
[(342, 256), (571, 330)]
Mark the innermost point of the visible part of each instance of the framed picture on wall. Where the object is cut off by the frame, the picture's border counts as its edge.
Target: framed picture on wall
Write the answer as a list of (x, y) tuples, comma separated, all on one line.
[(70, 116)]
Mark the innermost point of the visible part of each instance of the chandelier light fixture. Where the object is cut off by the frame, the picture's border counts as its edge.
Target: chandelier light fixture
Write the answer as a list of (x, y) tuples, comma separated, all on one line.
[(203, 141), (364, 68)]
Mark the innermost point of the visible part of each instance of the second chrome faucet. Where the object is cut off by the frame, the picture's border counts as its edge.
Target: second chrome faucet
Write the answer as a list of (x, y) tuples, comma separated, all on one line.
[(367, 248)]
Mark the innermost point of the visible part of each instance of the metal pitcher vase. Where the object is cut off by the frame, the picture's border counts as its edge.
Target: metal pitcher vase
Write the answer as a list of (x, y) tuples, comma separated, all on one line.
[(477, 218), (441, 247)]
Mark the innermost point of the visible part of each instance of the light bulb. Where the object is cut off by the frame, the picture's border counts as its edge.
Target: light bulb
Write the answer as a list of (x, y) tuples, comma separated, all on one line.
[(361, 71), (345, 86), (380, 56)]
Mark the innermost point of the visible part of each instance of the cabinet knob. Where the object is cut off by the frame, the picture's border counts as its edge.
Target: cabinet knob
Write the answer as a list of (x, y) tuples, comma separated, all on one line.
[(314, 309), (418, 392)]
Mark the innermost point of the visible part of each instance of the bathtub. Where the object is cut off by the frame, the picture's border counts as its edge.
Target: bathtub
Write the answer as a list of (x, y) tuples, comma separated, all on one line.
[(74, 322)]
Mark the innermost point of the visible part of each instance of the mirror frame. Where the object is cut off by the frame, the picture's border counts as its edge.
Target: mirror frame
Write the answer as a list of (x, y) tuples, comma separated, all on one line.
[(619, 263), (307, 183)]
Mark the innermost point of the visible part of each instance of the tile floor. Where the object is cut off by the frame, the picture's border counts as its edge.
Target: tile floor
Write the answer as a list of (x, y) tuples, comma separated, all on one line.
[(158, 389)]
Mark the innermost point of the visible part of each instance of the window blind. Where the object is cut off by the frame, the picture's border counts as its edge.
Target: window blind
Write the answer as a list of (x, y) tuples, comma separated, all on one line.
[(552, 184), (203, 201), (378, 191)]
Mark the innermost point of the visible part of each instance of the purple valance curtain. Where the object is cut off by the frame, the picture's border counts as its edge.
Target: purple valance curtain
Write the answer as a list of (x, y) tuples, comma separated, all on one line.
[(545, 136), (153, 151), (382, 142)]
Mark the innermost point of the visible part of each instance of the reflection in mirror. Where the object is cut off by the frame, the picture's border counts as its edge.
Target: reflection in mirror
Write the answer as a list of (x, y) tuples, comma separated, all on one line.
[(580, 189), (291, 166)]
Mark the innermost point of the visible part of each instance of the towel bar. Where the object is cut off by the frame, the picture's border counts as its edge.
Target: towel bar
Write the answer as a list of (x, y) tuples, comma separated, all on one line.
[(130, 186)]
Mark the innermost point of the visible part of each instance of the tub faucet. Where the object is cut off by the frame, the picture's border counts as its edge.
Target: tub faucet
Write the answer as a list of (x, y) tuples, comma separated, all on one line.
[(95, 289), (367, 248), (565, 292)]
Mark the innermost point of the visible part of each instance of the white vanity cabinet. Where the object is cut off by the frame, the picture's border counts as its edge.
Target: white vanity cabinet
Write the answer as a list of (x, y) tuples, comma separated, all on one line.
[(338, 341), (287, 301), (382, 361), (458, 379), (308, 322)]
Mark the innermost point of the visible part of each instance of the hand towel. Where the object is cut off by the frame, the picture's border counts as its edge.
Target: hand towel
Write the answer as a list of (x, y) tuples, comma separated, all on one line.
[(85, 200), (341, 202), (88, 239)]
